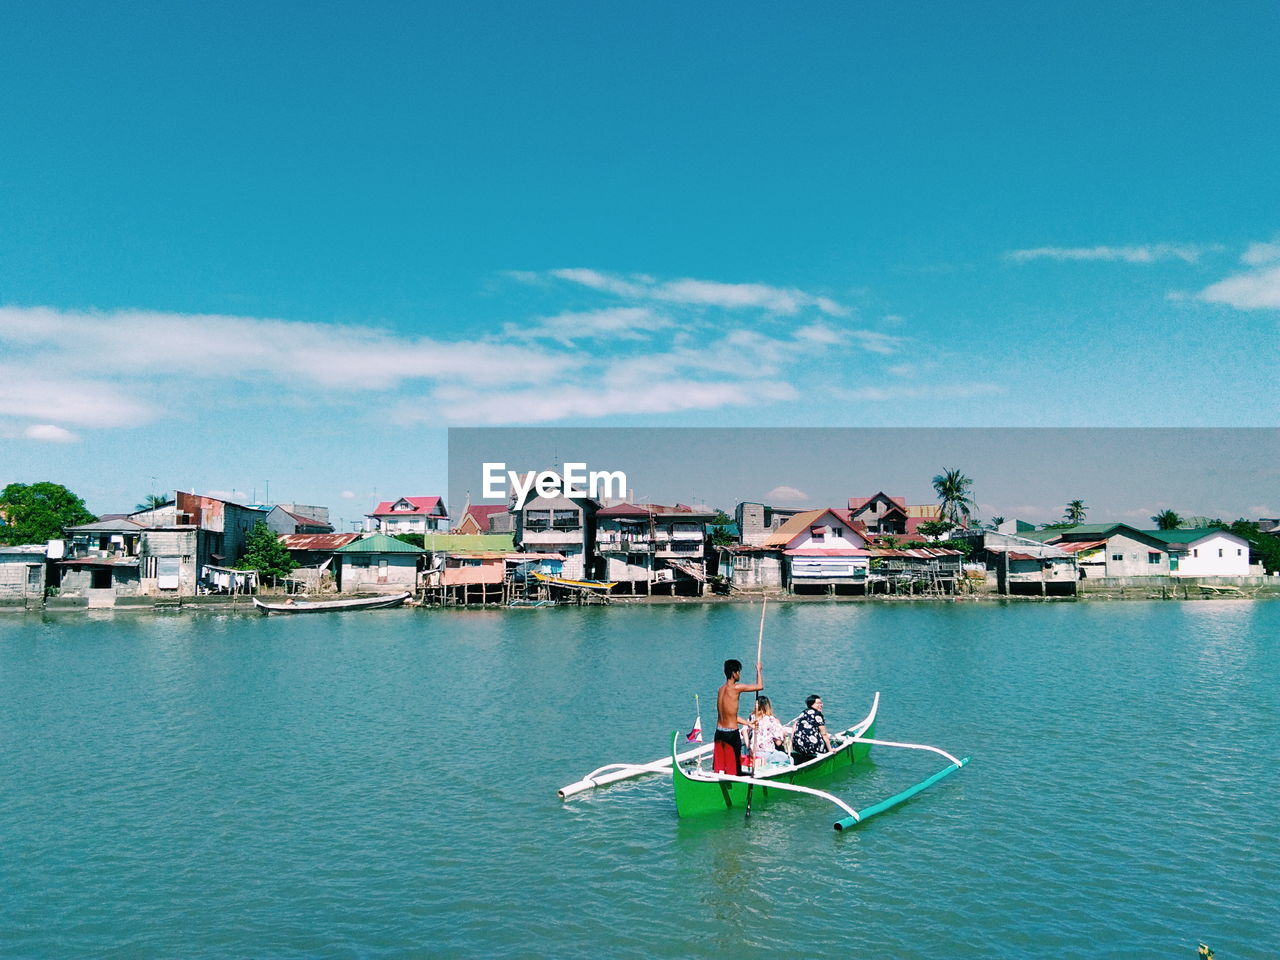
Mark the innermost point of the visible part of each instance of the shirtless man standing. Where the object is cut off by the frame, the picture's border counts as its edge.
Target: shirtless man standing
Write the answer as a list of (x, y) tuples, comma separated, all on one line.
[(727, 756)]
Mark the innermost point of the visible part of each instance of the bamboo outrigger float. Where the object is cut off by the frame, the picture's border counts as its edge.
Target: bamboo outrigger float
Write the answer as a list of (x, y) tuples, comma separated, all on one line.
[(702, 792)]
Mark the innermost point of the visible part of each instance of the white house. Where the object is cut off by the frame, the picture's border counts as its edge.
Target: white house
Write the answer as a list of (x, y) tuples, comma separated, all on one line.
[(822, 550), (409, 515), (1206, 552)]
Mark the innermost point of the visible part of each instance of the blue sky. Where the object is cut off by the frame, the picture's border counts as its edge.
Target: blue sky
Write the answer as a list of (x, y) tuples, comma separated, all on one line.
[(290, 245)]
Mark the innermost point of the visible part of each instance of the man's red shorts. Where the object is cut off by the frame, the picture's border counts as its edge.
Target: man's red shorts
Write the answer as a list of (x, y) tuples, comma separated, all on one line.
[(726, 755)]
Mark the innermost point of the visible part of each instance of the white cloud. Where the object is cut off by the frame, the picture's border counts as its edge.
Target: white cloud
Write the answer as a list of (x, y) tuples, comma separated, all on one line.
[(626, 323), (214, 346), (1257, 290), (1188, 253), (874, 342), (49, 433), (691, 292), (348, 495), (819, 333), (578, 401), (786, 495), (44, 394), (1258, 254)]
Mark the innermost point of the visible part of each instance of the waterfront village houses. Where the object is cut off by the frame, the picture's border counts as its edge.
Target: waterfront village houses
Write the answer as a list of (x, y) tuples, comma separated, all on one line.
[(378, 563), (409, 515), (883, 514), (481, 519), (810, 550), (1119, 550), (22, 574), (281, 520), (821, 549), (561, 525), (643, 545), (168, 551)]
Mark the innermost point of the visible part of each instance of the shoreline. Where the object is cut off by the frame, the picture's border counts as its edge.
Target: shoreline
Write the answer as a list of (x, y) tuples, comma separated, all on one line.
[(223, 604)]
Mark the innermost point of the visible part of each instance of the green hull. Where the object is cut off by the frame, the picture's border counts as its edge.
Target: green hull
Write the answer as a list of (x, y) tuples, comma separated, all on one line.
[(694, 796)]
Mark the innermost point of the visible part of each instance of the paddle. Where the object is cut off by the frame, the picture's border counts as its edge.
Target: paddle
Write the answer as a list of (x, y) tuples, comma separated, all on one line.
[(759, 653)]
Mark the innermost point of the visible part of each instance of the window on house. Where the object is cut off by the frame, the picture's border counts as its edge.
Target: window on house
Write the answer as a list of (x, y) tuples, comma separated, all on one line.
[(1153, 558), (1117, 557), (565, 519), (1195, 552), (1219, 551), (837, 531), (537, 520), (1239, 552), (101, 579)]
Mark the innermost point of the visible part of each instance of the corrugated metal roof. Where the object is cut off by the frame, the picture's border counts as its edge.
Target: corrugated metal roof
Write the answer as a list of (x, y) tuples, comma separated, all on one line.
[(378, 543), (624, 510), (826, 552), (316, 541), (1188, 536), (469, 542), (422, 506), (793, 528), (119, 525), (1079, 546), (462, 576), (919, 553)]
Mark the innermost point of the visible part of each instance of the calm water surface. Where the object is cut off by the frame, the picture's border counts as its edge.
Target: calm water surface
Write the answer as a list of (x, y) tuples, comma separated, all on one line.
[(383, 784)]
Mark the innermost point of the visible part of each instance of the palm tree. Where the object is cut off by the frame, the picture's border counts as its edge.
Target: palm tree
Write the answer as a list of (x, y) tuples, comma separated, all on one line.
[(994, 522), (1075, 511), (952, 488), (152, 501), (1166, 520)]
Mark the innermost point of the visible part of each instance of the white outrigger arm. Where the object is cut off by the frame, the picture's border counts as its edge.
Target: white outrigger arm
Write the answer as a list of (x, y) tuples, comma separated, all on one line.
[(613, 772)]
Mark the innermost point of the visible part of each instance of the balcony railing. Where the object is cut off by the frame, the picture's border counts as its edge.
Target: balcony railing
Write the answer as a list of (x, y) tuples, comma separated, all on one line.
[(623, 545)]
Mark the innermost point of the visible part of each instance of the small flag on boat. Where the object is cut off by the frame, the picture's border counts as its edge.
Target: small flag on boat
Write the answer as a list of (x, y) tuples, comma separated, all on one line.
[(695, 735)]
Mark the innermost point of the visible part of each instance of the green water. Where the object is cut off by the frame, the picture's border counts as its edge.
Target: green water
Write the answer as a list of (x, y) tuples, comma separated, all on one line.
[(383, 784)]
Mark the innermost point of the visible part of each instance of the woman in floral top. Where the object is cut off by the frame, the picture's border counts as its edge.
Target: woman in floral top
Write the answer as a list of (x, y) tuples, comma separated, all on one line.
[(769, 736), (810, 735)]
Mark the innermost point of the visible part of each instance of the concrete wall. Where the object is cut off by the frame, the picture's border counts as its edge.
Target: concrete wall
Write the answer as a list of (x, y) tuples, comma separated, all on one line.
[(753, 570), (22, 576), (378, 573), (1218, 555), (1133, 554)]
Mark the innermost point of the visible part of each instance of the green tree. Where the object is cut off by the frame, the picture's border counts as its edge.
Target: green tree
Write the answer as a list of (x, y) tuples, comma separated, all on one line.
[(720, 535), (952, 488), (38, 512), (152, 501), (1166, 520), (933, 529), (265, 553), (994, 523), (1075, 512), (1263, 547), (413, 539)]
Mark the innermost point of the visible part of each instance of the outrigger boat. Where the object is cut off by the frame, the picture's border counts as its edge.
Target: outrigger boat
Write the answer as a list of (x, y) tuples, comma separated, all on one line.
[(701, 792), (603, 586), (324, 606)]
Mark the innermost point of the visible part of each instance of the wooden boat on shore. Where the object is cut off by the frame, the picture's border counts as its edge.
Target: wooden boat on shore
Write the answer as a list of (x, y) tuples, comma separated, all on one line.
[(603, 586), (329, 606), (703, 792)]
